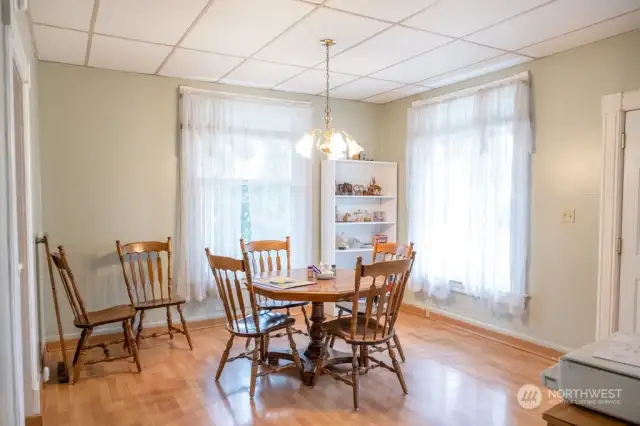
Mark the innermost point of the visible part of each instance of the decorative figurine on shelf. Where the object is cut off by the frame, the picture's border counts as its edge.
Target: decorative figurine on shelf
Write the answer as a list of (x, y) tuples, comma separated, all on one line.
[(358, 190), (378, 216), (374, 188), (341, 243), (347, 217)]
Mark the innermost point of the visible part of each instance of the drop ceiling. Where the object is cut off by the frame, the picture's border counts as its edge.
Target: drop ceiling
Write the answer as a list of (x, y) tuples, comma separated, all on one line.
[(386, 49)]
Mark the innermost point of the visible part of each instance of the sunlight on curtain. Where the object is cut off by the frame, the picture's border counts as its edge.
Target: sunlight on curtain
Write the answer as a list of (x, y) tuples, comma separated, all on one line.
[(468, 190), (239, 177)]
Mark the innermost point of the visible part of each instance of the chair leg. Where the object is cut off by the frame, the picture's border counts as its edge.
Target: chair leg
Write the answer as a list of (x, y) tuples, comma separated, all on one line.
[(294, 349), (306, 320), (184, 326), (81, 351), (321, 361), (133, 347), (83, 336), (125, 346), (169, 323), (247, 344), (225, 356), (265, 347), (254, 367), (396, 367), (396, 340), (333, 338), (140, 328), (355, 379)]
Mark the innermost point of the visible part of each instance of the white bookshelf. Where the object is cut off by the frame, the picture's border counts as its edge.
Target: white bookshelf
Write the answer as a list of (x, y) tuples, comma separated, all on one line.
[(356, 173)]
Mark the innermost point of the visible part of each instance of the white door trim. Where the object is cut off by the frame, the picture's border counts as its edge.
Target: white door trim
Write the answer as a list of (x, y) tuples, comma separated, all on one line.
[(614, 107)]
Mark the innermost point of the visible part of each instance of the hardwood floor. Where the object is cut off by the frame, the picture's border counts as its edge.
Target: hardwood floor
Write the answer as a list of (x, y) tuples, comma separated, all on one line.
[(454, 378)]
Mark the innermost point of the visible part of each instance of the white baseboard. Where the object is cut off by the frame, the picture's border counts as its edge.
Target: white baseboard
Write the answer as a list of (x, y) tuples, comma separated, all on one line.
[(500, 330), (117, 328)]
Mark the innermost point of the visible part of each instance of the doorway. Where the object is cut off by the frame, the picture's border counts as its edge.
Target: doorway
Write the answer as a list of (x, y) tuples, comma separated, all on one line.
[(629, 299)]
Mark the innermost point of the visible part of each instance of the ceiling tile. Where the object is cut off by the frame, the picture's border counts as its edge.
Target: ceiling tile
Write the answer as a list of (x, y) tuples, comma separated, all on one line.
[(74, 14), (551, 20), (494, 64), (196, 65), (59, 45), (443, 59), (313, 82), (447, 16), (126, 55), (628, 22), (158, 21), (363, 88), (260, 74), (301, 45), (388, 48), (381, 9), (241, 27), (395, 94)]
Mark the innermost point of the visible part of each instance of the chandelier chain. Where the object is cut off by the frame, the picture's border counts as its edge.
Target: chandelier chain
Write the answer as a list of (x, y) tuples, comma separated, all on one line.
[(327, 108)]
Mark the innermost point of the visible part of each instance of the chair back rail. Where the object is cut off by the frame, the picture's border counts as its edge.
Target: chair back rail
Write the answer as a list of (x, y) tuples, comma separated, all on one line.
[(391, 251), (226, 271), (383, 298), (261, 255), (69, 284), (142, 267)]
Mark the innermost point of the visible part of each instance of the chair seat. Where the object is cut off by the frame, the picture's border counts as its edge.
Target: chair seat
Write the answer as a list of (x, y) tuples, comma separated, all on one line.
[(152, 304), (267, 321), (270, 304), (108, 316), (342, 328)]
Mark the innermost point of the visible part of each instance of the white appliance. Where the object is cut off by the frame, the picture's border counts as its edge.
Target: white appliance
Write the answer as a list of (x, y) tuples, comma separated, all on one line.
[(609, 387)]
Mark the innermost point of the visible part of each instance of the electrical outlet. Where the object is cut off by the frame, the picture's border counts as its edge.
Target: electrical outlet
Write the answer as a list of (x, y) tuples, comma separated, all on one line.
[(569, 216)]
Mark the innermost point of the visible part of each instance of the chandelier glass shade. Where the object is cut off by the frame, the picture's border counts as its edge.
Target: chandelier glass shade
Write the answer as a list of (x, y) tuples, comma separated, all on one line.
[(335, 143)]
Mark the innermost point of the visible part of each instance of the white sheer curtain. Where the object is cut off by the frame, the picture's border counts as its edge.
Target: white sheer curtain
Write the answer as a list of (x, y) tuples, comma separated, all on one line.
[(468, 190), (239, 177)]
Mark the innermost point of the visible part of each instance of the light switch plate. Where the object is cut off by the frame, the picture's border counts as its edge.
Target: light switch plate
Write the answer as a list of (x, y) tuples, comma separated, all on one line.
[(569, 216)]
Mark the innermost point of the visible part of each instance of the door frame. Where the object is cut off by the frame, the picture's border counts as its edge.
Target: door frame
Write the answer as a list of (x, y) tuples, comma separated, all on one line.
[(614, 108)]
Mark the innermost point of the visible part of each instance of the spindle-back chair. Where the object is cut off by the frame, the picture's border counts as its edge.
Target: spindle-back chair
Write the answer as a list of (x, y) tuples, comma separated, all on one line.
[(381, 252), (145, 284), (87, 321), (245, 319), (261, 256), (375, 326)]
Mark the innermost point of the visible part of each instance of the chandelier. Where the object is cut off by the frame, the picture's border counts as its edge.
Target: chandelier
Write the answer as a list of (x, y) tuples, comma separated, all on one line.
[(335, 143)]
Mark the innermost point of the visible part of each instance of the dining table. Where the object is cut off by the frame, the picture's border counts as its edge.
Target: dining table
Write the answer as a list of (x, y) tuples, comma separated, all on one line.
[(339, 288)]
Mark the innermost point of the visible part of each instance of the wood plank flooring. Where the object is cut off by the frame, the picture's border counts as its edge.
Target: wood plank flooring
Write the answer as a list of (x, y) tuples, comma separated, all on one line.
[(454, 378)]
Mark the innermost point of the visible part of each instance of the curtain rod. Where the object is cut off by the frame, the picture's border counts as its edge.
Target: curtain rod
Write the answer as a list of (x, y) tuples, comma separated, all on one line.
[(189, 89), (523, 76)]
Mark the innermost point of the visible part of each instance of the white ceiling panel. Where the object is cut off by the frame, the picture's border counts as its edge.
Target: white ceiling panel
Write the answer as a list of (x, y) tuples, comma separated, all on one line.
[(126, 55), (260, 74), (301, 45), (196, 65), (139, 19), (443, 59), (363, 88), (395, 94), (58, 45), (394, 10), (74, 14), (313, 82), (388, 48), (241, 27), (551, 20), (461, 17), (628, 22), (494, 64)]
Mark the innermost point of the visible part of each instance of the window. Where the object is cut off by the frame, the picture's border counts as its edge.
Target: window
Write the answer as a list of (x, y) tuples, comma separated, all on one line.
[(240, 178), (468, 167)]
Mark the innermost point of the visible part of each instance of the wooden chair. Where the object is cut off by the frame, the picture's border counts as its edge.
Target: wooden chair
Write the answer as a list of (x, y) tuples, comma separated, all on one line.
[(87, 321), (375, 326), (141, 257), (260, 255), (381, 252), (244, 319)]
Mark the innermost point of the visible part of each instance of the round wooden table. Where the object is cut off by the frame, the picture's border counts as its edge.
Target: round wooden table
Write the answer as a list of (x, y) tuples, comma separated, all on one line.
[(338, 289)]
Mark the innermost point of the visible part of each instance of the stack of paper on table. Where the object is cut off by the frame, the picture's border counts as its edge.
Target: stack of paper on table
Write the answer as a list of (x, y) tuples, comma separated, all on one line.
[(282, 283)]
